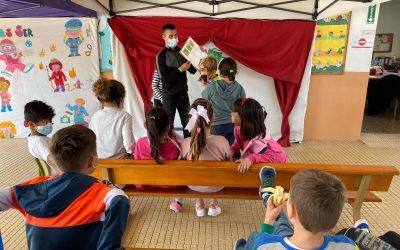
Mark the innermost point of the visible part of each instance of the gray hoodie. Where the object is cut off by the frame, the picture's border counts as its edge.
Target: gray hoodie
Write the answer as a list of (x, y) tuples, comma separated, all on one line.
[(222, 96)]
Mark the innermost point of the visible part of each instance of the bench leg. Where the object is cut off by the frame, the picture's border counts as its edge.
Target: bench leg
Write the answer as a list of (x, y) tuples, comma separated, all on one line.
[(362, 191)]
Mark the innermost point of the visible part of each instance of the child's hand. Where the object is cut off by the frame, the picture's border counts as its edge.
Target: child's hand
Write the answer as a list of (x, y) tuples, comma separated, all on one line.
[(272, 212), (244, 165)]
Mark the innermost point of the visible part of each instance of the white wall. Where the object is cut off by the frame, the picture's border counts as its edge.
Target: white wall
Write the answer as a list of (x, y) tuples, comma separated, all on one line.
[(359, 59), (389, 22)]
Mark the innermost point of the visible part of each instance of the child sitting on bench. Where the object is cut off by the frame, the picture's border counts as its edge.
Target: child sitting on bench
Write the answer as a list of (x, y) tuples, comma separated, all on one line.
[(158, 145), (71, 210), (206, 147), (38, 117), (314, 206), (251, 136)]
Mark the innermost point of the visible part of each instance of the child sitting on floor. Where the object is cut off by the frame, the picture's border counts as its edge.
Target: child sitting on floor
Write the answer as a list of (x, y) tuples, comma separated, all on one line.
[(38, 117), (251, 136), (112, 125), (158, 145), (314, 206), (222, 95), (71, 210), (204, 146)]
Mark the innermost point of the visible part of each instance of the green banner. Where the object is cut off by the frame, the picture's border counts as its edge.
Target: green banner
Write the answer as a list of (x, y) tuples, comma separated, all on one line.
[(371, 14)]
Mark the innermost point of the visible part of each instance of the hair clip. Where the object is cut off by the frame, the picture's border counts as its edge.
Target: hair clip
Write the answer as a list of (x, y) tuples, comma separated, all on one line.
[(231, 71), (198, 130), (244, 100), (152, 117)]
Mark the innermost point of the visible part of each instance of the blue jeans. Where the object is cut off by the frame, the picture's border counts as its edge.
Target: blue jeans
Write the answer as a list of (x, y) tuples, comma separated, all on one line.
[(225, 130), (282, 226)]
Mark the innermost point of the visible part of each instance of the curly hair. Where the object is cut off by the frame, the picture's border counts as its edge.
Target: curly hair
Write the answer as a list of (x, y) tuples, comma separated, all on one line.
[(109, 90)]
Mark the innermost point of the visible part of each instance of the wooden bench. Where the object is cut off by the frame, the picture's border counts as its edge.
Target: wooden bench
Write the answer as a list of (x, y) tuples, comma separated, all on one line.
[(360, 180)]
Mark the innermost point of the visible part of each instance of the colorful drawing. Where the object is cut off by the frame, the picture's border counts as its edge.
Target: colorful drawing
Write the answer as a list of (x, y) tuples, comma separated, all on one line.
[(105, 44), (79, 112), (12, 58), (53, 47), (41, 66), (5, 96), (65, 119), (73, 37), (7, 129), (42, 53), (330, 45), (58, 76), (72, 73)]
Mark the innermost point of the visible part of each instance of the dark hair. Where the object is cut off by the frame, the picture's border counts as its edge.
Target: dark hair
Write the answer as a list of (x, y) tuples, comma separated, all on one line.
[(319, 198), (168, 26), (228, 67), (109, 90), (157, 122), (72, 147), (252, 117), (35, 111), (199, 137)]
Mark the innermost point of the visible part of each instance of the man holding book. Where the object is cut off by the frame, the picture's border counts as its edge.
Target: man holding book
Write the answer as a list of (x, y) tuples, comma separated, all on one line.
[(172, 67)]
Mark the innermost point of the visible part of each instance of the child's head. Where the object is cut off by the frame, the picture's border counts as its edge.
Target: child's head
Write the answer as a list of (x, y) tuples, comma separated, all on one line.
[(208, 66), (157, 125), (38, 116), (228, 69), (74, 149), (201, 116), (250, 115), (109, 91), (80, 101), (316, 200)]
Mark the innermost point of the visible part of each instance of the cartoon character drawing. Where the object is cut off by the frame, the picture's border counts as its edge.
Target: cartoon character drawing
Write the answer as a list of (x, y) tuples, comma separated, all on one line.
[(12, 58), (4, 95), (318, 65), (79, 112), (58, 76), (338, 64), (7, 129), (73, 37)]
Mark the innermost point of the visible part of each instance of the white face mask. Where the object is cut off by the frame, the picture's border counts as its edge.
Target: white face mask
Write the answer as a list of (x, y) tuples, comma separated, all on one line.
[(172, 42)]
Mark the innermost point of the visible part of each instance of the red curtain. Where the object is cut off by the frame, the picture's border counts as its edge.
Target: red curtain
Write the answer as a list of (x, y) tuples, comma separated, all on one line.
[(278, 49)]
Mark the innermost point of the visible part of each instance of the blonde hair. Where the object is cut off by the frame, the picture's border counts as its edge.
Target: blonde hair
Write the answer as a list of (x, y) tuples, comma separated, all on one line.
[(199, 136), (210, 64), (7, 124)]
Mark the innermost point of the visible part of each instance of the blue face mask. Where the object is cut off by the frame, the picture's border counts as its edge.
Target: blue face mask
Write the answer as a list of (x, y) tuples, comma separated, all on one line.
[(45, 130), (172, 42)]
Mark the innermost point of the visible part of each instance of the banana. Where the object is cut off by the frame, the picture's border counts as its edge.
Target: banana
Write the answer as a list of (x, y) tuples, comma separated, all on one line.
[(279, 197)]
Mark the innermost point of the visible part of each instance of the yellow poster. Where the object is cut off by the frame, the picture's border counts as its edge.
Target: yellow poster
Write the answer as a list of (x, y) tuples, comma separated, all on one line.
[(330, 44)]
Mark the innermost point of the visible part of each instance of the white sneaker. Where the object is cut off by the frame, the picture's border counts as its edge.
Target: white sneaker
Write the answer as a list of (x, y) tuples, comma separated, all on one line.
[(200, 211), (214, 210)]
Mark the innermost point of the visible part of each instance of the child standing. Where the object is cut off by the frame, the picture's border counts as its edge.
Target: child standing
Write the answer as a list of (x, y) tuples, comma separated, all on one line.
[(222, 95), (208, 71), (156, 86), (72, 210), (112, 125), (251, 136), (204, 146), (38, 117), (158, 145)]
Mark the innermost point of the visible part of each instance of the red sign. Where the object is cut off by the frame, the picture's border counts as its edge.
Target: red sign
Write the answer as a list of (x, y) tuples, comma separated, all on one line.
[(362, 41)]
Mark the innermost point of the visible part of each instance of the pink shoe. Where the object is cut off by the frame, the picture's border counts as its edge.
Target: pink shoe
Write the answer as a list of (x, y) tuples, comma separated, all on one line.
[(214, 210), (175, 206), (200, 211)]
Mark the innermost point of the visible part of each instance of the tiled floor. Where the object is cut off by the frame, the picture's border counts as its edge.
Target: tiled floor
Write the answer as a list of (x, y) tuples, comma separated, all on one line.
[(385, 122), (151, 225)]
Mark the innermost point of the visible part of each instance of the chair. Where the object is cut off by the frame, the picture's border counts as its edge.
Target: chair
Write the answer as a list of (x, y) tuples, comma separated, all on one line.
[(44, 169)]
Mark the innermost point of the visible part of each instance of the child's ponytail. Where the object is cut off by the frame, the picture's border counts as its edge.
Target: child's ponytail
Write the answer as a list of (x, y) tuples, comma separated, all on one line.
[(157, 123), (228, 68), (201, 112)]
